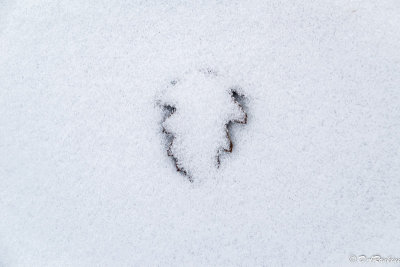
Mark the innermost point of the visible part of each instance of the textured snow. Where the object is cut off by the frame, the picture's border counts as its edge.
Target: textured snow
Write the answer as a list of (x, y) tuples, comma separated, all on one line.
[(203, 106), (85, 179)]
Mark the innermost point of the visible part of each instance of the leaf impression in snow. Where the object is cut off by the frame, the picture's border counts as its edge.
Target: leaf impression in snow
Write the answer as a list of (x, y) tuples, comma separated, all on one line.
[(198, 110)]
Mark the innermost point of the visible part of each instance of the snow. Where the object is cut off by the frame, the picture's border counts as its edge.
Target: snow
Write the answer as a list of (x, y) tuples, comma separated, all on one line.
[(201, 106), (85, 178)]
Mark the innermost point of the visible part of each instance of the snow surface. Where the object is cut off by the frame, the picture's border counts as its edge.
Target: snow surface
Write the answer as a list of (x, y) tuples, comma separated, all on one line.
[(84, 176)]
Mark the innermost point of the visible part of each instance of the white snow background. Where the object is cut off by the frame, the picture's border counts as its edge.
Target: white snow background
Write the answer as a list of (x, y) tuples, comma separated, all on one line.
[(84, 176)]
